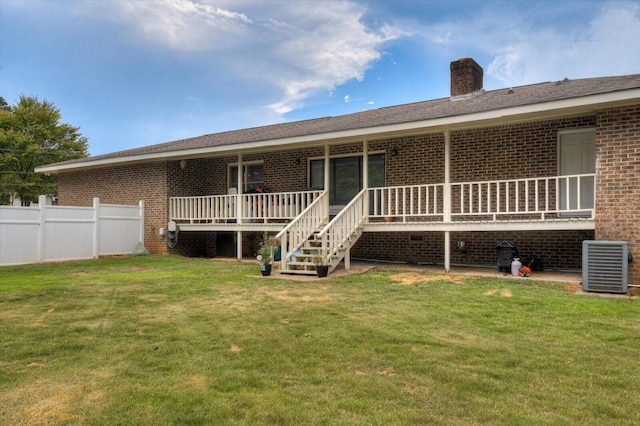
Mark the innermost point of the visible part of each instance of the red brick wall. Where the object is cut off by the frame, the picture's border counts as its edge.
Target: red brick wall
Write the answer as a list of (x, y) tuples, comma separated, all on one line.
[(618, 180), (123, 185), (508, 152), (418, 159), (552, 249)]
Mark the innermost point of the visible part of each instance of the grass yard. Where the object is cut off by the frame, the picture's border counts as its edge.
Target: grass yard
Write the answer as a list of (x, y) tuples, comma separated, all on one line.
[(168, 340)]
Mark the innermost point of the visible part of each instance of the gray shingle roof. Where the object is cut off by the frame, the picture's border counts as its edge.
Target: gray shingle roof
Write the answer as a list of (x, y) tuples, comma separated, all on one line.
[(419, 111)]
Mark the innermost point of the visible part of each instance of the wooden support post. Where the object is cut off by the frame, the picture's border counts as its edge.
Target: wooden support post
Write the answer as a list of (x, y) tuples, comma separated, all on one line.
[(365, 177), (447, 177), (447, 251), (283, 251), (239, 191), (327, 167), (239, 207), (347, 257), (447, 199)]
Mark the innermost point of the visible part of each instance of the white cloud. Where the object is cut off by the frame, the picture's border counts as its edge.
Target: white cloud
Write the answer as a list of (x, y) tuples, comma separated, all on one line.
[(607, 45), (299, 49), (179, 25), (527, 44)]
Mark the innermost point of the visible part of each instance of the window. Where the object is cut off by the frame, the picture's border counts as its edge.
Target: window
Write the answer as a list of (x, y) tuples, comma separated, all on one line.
[(253, 176), (345, 176)]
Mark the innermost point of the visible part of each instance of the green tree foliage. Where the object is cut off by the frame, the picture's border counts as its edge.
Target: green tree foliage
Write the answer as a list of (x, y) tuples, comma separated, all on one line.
[(31, 135), (4, 106)]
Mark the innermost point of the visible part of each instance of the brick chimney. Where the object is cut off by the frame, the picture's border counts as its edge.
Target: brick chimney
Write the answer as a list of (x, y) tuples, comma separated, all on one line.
[(466, 77)]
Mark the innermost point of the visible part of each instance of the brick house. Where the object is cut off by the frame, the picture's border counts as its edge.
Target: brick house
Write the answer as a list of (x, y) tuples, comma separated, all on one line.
[(545, 166)]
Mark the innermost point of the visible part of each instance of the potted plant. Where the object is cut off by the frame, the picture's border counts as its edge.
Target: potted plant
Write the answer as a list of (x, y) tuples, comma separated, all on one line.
[(322, 269), (265, 256)]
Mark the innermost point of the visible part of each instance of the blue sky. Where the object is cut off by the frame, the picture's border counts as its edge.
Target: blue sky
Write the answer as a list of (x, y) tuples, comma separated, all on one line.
[(135, 72)]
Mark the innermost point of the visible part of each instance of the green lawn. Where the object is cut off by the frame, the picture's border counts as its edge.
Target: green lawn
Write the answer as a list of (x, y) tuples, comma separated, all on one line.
[(167, 340)]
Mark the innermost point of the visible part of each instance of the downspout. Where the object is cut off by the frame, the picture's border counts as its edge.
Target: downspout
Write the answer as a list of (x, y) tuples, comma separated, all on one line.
[(447, 199), (239, 207)]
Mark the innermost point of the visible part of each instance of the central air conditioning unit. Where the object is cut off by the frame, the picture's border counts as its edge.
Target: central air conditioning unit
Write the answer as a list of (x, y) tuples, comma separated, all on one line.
[(605, 266)]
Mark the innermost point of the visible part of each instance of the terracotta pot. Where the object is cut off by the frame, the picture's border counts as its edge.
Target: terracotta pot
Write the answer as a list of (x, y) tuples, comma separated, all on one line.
[(389, 218)]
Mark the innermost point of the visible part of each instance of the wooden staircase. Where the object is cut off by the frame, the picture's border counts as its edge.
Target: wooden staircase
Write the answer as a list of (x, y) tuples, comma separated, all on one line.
[(304, 257), (332, 241), (302, 260)]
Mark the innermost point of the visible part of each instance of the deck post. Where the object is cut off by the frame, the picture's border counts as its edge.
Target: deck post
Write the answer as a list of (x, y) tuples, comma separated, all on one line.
[(283, 251), (447, 199), (239, 193), (327, 166), (365, 177), (239, 207), (447, 178), (347, 257), (447, 251)]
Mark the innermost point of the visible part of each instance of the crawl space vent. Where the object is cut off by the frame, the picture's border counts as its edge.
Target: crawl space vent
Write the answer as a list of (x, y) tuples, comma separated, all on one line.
[(604, 266)]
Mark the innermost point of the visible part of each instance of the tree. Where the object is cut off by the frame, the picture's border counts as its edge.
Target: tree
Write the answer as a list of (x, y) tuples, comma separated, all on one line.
[(4, 106), (31, 135)]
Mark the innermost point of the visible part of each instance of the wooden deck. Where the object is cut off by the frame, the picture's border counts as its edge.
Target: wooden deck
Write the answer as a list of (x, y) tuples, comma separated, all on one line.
[(557, 224), (299, 219), (545, 203)]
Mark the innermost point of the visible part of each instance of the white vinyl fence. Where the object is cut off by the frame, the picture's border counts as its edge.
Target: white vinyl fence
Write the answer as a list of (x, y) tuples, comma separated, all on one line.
[(56, 233)]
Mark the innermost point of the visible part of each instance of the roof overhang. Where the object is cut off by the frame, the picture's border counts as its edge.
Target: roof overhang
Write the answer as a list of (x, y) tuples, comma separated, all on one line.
[(518, 114)]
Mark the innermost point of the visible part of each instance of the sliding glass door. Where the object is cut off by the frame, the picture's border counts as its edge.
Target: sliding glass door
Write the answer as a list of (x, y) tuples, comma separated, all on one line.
[(345, 177)]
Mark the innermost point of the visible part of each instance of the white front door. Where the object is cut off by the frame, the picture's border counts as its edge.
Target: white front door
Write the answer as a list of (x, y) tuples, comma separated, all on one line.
[(577, 155)]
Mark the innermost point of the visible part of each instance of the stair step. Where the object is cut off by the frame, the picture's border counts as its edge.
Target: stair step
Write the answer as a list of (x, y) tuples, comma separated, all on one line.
[(304, 256), (298, 272), (301, 263)]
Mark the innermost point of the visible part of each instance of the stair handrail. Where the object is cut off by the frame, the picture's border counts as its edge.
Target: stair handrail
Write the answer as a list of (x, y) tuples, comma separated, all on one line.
[(293, 236), (342, 226)]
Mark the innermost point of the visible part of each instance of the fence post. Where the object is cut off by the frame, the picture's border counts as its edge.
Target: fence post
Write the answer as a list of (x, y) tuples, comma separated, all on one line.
[(42, 205), (96, 228), (141, 212)]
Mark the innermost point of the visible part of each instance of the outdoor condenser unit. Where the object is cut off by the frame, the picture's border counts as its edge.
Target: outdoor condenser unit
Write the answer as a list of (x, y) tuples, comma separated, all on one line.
[(605, 266)]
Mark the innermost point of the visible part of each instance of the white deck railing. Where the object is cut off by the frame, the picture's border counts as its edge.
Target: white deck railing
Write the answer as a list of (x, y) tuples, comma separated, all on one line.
[(543, 198), (254, 207), (535, 197), (406, 201), (205, 208)]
